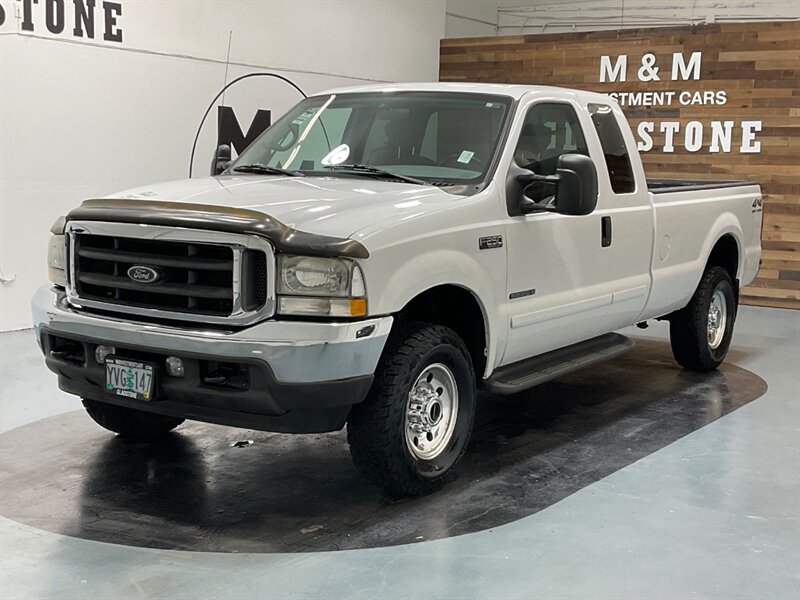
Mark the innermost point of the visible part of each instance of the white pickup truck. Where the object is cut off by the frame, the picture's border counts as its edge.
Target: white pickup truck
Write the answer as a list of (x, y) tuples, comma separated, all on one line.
[(379, 254)]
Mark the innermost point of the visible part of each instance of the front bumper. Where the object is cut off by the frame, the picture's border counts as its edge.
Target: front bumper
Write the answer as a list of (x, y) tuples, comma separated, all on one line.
[(300, 376)]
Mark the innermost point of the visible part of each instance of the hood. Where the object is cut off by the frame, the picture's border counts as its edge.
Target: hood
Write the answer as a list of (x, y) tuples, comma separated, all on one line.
[(332, 206)]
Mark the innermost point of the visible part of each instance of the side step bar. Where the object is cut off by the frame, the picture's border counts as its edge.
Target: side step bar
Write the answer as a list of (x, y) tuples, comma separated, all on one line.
[(527, 373)]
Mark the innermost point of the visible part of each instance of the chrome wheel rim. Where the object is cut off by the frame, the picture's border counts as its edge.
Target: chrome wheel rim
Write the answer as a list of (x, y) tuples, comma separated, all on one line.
[(717, 319), (431, 412)]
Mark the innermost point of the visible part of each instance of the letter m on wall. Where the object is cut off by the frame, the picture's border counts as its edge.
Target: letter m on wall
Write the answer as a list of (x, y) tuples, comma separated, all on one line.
[(230, 132), (618, 70), (681, 70)]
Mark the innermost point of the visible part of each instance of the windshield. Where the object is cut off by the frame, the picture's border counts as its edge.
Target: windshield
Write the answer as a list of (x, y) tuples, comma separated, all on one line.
[(431, 136)]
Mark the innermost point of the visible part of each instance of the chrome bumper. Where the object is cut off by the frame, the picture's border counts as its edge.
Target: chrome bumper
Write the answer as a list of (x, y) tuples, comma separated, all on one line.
[(296, 351)]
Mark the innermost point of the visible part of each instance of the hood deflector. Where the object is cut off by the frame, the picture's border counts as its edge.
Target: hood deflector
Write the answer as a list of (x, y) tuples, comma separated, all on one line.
[(218, 218)]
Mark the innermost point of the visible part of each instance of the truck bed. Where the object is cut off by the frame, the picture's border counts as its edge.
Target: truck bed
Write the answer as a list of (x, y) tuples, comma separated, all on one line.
[(690, 216), (664, 186)]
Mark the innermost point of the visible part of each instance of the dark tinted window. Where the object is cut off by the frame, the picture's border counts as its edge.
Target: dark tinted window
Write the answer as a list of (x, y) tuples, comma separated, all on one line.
[(615, 150), (549, 131)]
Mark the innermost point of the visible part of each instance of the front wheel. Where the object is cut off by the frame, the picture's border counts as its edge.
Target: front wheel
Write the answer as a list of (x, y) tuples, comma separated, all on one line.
[(701, 332), (413, 428)]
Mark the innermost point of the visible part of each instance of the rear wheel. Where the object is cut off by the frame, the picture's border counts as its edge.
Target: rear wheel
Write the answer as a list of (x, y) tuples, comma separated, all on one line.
[(701, 332), (128, 422), (413, 428)]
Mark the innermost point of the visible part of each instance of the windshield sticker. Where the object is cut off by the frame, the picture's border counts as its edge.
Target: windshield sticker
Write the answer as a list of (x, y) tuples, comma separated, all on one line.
[(304, 116), (336, 156), (466, 156), (494, 105)]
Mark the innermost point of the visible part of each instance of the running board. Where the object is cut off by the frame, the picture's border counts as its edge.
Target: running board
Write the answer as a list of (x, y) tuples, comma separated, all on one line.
[(527, 373)]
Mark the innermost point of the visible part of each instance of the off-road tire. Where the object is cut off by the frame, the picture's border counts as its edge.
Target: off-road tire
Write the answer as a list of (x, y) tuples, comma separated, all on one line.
[(128, 422), (376, 427), (688, 326)]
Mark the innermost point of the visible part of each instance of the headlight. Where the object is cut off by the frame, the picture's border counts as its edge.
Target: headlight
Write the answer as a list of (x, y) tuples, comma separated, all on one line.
[(57, 260), (313, 276), (310, 285)]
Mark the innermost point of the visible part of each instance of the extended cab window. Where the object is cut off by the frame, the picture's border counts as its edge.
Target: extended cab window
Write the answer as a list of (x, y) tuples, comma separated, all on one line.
[(615, 150), (549, 130)]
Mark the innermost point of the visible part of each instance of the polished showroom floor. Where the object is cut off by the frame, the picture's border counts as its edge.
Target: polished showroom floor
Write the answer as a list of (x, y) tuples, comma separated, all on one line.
[(633, 479)]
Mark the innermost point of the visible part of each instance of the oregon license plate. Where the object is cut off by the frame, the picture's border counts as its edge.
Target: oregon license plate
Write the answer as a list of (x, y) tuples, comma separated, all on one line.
[(130, 378)]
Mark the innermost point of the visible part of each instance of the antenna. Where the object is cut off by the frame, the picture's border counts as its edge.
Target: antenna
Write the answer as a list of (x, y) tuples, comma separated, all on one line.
[(221, 103), (225, 82)]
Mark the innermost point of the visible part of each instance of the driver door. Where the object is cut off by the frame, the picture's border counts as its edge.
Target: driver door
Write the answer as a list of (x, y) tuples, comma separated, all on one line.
[(558, 290)]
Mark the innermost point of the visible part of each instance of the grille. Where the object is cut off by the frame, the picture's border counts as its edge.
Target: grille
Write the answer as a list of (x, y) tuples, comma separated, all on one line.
[(254, 280), (193, 277)]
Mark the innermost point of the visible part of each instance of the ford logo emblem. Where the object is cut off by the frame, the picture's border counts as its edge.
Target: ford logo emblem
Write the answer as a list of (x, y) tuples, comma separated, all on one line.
[(142, 274)]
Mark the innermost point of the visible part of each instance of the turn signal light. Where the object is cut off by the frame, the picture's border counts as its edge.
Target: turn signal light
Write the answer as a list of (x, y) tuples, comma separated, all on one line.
[(325, 307), (358, 307)]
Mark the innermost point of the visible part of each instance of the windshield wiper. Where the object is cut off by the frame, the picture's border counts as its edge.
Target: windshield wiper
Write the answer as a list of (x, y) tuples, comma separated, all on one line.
[(376, 172), (263, 169)]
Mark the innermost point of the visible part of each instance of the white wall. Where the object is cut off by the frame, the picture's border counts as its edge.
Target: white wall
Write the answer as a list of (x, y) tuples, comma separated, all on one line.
[(80, 118), (471, 18), (558, 16)]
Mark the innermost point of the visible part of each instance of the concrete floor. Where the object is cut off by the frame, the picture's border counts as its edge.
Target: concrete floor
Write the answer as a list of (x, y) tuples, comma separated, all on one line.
[(715, 514)]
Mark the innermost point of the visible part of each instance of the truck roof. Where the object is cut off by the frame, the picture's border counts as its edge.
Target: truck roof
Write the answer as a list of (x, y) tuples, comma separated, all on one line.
[(512, 90)]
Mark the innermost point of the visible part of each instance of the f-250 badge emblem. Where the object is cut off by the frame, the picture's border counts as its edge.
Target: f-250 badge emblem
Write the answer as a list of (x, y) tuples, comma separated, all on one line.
[(490, 241), (142, 274)]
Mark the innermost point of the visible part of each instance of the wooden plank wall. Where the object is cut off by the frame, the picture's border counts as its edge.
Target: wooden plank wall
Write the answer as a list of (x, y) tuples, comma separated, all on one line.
[(756, 64)]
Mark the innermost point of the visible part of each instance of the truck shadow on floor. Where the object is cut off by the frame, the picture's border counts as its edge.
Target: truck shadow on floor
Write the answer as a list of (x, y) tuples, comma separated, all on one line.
[(197, 489)]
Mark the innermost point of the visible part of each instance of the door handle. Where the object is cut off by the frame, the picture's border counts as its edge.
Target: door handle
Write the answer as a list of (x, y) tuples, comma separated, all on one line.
[(605, 232)]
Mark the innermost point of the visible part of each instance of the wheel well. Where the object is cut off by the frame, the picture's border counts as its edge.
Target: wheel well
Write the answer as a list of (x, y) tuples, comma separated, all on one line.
[(456, 308), (725, 254)]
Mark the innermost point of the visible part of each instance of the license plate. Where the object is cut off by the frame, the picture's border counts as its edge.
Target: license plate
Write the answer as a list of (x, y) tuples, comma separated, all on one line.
[(130, 378)]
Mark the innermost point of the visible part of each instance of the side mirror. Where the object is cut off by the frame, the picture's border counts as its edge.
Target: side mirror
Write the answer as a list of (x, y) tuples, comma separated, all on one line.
[(571, 191), (221, 160)]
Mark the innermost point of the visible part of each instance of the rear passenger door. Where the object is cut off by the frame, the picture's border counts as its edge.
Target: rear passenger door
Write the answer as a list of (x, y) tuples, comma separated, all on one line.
[(625, 213)]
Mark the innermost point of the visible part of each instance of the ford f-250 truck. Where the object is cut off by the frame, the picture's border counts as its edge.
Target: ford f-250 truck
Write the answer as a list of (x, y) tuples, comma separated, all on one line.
[(379, 254)]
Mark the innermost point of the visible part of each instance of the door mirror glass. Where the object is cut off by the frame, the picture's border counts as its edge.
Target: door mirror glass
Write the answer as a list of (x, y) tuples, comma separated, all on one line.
[(221, 160)]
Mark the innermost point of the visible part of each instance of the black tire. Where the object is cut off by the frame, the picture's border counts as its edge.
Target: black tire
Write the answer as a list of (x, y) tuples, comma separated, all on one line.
[(688, 327), (128, 422), (376, 429)]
